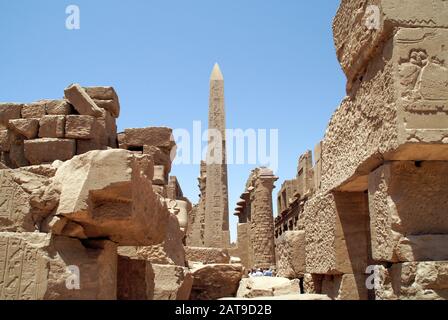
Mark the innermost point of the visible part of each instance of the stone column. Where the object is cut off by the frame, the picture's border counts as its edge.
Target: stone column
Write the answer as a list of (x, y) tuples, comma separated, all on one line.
[(262, 220)]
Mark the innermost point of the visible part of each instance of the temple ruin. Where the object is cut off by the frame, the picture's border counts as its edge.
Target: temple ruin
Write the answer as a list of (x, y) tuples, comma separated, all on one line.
[(90, 213)]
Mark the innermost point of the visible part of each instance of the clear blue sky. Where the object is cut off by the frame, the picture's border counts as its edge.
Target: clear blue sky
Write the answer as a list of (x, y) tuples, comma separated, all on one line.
[(277, 58)]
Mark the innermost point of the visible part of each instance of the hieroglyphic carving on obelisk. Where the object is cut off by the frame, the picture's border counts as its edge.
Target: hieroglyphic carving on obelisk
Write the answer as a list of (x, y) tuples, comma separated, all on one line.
[(216, 204)]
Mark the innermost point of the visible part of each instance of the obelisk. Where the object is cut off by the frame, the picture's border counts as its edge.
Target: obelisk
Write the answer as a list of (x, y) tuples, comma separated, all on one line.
[(216, 232)]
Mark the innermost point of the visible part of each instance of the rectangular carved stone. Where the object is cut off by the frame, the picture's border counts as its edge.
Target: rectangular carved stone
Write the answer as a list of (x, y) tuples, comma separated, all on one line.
[(34, 110), (81, 101), (336, 233), (52, 126), (47, 150), (9, 111), (25, 127), (153, 136), (79, 127), (59, 107), (397, 191), (207, 255), (38, 266)]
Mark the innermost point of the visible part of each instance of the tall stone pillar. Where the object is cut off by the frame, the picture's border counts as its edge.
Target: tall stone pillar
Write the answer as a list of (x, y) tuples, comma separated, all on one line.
[(216, 204), (262, 219)]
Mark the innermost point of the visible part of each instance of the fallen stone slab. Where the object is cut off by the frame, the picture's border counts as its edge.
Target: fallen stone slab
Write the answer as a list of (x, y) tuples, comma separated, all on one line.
[(81, 101), (109, 194), (215, 281), (253, 287)]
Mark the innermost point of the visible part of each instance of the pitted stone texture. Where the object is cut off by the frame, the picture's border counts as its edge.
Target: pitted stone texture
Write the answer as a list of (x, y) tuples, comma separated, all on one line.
[(47, 150), (171, 250), (79, 127), (336, 233), (26, 127), (35, 110), (81, 101), (207, 255), (290, 253), (171, 282), (345, 287), (139, 279), (35, 266), (9, 111), (360, 27), (399, 189), (397, 112), (58, 107), (215, 281), (109, 193), (413, 281), (52, 126)]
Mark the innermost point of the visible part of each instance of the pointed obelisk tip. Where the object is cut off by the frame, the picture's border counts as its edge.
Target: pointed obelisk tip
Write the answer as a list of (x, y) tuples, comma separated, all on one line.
[(216, 73)]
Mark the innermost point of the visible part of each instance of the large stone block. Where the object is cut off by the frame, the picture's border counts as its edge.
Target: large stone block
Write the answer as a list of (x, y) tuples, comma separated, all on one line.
[(413, 281), (360, 27), (408, 202), (35, 110), (345, 287), (160, 137), (139, 279), (215, 281), (106, 98), (207, 255), (135, 278), (25, 127), (81, 101), (267, 287), (336, 233), (9, 111), (171, 282), (396, 111), (52, 126), (290, 253), (170, 251), (58, 107), (5, 140), (109, 194), (47, 150), (38, 266), (79, 127)]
